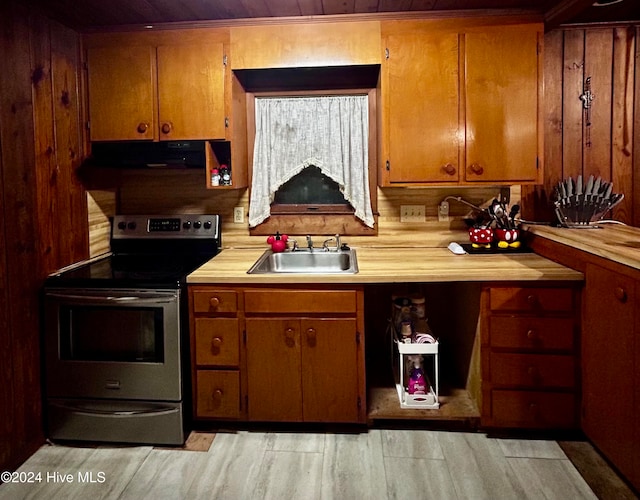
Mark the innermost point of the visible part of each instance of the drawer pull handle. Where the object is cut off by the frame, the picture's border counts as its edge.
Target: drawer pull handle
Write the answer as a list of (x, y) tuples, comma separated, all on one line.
[(621, 294), (166, 128), (216, 344), (142, 127), (311, 337), (214, 302), (217, 394), (532, 300), (532, 371), (449, 169), (532, 335)]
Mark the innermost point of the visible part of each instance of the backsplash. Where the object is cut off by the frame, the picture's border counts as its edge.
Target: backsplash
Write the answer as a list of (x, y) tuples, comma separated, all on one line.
[(149, 191)]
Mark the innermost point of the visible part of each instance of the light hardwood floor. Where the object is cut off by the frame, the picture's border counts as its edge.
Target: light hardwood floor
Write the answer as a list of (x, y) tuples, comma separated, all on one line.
[(378, 464)]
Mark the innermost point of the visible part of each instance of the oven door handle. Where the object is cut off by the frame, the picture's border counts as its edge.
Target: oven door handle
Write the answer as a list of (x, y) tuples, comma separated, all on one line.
[(95, 299), (162, 410)]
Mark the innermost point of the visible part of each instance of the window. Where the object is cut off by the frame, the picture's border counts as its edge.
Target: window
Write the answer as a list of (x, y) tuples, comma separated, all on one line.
[(314, 164)]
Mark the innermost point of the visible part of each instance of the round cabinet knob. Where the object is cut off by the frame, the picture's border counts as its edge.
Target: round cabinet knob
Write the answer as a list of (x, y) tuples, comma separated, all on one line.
[(621, 294), (476, 168), (216, 344), (214, 302), (217, 395), (142, 127), (531, 334), (532, 300), (289, 337), (311, 336), (449, 169), (166, 127)]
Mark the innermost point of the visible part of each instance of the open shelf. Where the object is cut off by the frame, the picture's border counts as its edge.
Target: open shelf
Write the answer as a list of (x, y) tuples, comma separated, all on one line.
[(455, 405)]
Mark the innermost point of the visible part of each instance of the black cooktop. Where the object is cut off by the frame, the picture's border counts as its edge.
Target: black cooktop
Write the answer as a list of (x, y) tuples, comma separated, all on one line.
[(149, 252), (134, 271)]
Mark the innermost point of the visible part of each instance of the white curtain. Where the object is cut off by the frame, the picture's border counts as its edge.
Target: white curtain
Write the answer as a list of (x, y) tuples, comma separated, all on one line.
[(330, 132)]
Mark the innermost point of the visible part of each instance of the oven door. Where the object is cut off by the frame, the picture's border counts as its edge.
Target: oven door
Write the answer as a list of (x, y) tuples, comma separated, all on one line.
[(115, 344)]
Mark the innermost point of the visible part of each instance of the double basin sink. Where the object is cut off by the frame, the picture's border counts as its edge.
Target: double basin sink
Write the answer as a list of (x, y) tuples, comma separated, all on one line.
[(316, 261)]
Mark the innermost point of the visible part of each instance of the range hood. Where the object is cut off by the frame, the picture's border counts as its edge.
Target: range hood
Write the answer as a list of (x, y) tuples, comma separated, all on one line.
[(363, 76), (137, 154)]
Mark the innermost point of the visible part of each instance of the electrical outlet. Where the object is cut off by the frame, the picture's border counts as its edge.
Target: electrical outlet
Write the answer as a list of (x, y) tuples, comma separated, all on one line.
[(443, 212), (411, 213), (238, 215)]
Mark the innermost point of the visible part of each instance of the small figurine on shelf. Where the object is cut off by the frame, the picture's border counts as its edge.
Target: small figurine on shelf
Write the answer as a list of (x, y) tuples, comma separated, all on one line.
[(225, 175), (215, 177)]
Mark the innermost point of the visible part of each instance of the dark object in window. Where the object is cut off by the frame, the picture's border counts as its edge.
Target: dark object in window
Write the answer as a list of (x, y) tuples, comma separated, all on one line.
[(310, 187)]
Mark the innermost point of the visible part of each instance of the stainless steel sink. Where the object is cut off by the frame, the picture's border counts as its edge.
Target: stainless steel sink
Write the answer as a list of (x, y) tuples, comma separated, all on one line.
[(306, 262)]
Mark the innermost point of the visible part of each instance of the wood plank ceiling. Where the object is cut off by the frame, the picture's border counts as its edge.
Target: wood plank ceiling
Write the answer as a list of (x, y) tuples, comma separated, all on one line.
[(89, 15)]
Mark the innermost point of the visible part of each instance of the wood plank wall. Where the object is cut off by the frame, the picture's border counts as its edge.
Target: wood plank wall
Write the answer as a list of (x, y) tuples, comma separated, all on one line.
[(608, 144), (43, 223)]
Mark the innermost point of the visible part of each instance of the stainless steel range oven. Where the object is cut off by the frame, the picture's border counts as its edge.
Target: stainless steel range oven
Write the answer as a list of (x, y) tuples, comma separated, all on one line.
[(116, 333)]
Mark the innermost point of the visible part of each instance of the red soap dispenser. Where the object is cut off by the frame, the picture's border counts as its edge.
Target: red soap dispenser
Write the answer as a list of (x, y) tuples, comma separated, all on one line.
[(278, 242)]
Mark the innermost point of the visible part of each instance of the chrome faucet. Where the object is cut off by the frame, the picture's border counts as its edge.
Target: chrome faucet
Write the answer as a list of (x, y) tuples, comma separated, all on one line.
[(325, 245), (294, 243), (309, 243)]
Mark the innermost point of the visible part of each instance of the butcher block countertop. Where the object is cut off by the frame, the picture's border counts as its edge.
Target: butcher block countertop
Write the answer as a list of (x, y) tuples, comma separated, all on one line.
[(392, 265), (617, 243)]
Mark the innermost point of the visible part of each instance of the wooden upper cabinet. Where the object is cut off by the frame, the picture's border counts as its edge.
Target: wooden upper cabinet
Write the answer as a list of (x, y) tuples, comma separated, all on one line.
[(191, 92), (460, 105), (305, 45), (422, 101), (121, 85), (148, 92), (501, 104)]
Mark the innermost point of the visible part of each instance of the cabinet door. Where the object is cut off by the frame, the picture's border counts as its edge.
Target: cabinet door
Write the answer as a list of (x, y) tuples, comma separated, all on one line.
[(501, 104), (191, 92), (121, 86), (422, 107), (329, 370), (608, 416), (273, 370)]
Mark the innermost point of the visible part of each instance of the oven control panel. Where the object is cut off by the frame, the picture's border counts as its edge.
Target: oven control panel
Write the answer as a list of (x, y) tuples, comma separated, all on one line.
[(165, 226)]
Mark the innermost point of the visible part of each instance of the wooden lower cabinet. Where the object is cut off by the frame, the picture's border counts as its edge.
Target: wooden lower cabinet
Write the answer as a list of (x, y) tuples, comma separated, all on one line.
[(302, 369), (278, 354), (611, 367), (306, 364), (215, 353), (529, 352)]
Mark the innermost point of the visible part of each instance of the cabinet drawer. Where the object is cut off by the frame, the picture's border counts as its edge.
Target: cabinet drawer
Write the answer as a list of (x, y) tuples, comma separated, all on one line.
[(530, 332), (217, 342), (300, 301), (218, 394), (215, 301), (532, 370), (537, 300), (534, 409)]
